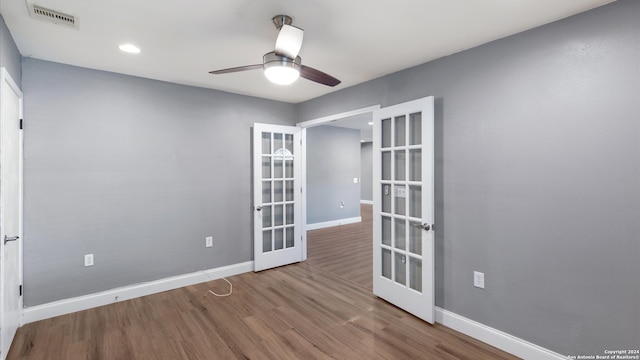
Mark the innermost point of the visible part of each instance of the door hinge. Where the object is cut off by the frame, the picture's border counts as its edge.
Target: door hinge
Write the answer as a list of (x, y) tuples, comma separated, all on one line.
[(300, 190), (300, 141), (20, 289), (20, 124)]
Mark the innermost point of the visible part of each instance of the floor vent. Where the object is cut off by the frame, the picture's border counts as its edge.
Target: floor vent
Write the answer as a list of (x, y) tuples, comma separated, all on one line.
[(52, 16)]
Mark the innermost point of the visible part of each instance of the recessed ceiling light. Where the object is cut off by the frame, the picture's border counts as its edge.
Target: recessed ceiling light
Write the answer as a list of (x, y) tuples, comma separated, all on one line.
[(130, 48), (370, 123)]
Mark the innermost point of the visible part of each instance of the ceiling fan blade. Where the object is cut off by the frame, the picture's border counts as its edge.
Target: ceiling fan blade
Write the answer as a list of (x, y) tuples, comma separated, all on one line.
[(236, 69), (318, 76), (289, 41)]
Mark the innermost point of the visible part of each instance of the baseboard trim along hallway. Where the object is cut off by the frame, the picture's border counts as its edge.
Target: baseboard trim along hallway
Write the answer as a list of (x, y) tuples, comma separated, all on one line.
[(71, 305), (503, 341), (327, 224)]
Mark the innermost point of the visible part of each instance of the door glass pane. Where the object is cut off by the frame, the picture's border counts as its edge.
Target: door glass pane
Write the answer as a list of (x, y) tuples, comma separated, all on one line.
[(266, 241), (278, 172), (278, 239), (266, 167), (386, 133), (386, 198), (277, 191), (415, 237), (289, 231), (400, 268), (386, 230), (289, 190), (288, 167), (386, 165), (386, 263), (401, 199), (415, 274), (266, 191), (288, 142), (400, 232), (266, 216), (415, 165), (415, 201), (266, 143), (277, 142), (400, 165), (400, 134), (415, 129), (278, 215), (289, 214)]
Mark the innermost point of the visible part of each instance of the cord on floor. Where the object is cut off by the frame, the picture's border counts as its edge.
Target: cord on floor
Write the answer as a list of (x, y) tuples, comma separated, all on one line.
[(221, 295)]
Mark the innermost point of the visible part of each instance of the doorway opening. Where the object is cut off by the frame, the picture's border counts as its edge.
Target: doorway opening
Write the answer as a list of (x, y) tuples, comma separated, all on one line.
[(339, 198)]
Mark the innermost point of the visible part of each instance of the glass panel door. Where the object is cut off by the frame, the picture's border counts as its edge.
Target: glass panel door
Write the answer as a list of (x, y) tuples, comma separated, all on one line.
[(403, 206), (276, 201)]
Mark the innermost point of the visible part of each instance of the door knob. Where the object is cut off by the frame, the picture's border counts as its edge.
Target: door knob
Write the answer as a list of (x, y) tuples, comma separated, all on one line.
[(258, 208), (426, 227)]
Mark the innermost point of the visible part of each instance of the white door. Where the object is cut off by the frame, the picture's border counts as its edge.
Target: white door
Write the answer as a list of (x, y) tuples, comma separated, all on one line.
[(403, 203), (277, 159), (10, 210)]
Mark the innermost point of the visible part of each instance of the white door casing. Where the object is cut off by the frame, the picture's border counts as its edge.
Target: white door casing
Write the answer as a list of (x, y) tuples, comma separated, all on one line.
[(403, 210), (10, 210), (277, 200)]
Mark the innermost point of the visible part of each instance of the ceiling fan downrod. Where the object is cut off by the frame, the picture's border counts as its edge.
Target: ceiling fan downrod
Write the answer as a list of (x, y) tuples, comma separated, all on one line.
[(280, 20)]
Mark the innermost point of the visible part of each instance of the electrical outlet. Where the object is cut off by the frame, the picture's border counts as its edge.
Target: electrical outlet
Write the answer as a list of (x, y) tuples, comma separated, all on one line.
[(88, 260), (341, 204), (478, 279), (355, 180), (208, 241)]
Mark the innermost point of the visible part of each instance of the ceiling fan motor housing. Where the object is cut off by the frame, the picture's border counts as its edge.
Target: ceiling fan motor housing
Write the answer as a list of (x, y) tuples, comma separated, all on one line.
[(272, 59)]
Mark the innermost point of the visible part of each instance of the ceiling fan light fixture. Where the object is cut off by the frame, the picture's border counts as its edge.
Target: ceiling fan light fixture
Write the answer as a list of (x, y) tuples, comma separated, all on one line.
[(282, 75), (281, 70)]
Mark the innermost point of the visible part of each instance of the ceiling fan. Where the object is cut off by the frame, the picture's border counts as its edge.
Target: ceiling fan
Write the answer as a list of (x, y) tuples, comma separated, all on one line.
[(283, 66)]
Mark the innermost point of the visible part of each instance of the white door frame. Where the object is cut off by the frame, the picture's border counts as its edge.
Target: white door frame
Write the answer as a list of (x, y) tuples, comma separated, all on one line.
[(318, 122), (5, 78)]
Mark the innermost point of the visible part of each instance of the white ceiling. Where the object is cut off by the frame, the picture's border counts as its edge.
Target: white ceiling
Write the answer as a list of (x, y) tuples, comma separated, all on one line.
[(353, 40)]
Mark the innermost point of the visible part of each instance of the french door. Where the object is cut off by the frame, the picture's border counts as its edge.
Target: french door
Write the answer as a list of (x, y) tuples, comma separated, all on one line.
[(277, 160), (403, 210)]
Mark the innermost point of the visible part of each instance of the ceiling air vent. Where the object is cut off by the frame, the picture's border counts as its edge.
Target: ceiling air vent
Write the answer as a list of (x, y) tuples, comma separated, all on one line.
[(52, 16)]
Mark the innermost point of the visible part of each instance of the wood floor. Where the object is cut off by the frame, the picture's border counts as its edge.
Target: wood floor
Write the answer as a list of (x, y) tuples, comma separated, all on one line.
[(345, 250), (298, 311)]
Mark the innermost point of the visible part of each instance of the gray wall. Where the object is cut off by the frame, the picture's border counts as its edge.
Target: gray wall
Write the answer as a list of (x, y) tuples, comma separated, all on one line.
[(333, 160), (136, 172), (366, 171), (9, 55), (537, 177)]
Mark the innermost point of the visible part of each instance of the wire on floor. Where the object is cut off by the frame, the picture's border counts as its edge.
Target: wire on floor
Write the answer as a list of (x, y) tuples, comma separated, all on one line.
[(221, 295)]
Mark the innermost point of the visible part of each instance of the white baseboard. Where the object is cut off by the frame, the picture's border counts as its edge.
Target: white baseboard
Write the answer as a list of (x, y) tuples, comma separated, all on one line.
[(67, 306), (501, 340), (366, 202), (334, 223)]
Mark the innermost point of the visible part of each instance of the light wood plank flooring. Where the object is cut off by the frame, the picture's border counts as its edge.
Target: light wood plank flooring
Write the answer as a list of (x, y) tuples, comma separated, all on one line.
[(345, 250)]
